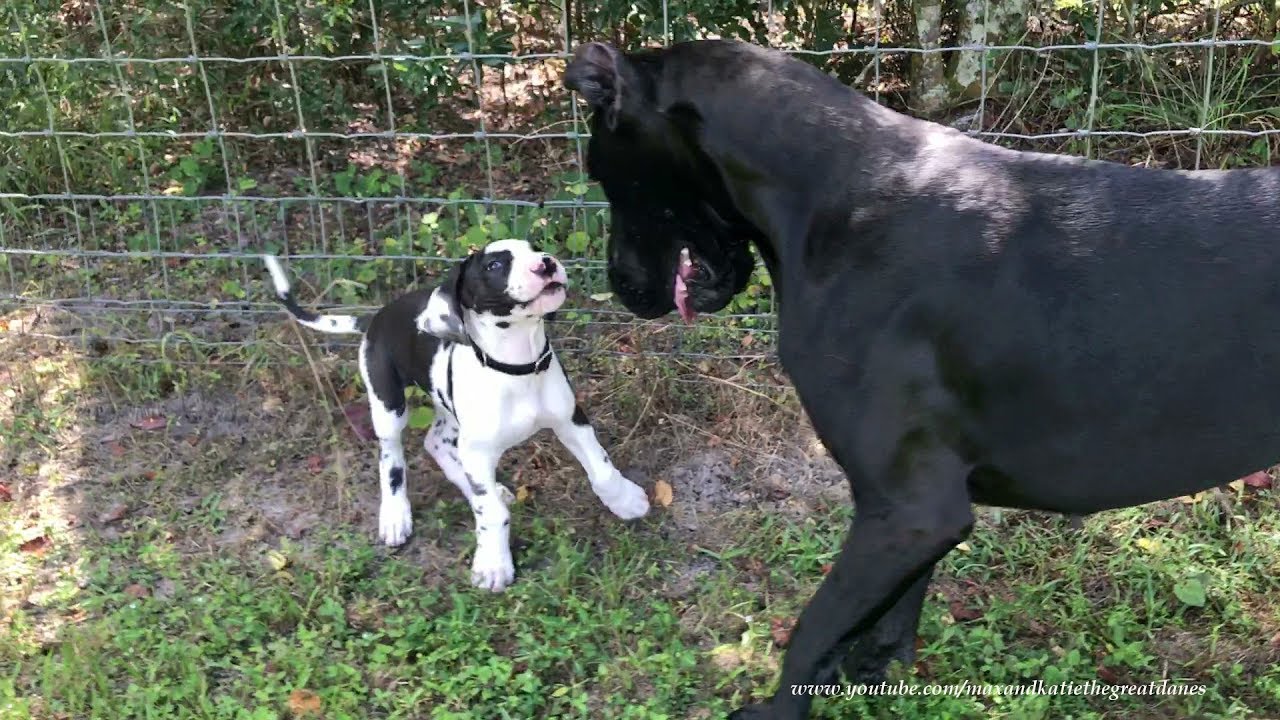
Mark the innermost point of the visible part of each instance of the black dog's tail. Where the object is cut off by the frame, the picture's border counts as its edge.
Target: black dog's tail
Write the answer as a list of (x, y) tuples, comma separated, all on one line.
[(339, 324)]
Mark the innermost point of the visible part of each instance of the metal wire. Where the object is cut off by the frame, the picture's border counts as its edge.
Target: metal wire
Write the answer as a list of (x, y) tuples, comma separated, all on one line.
[(70, 227)]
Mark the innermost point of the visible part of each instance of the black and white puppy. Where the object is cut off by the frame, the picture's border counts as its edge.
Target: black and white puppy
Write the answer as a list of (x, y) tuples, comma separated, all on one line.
[(478, 347)]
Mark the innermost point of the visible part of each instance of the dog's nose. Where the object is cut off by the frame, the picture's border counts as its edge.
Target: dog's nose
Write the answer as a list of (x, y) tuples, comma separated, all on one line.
[(546, 268)]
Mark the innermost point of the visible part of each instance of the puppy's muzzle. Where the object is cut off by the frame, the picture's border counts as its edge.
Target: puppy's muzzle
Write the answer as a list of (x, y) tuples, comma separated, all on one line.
[(546, 268)]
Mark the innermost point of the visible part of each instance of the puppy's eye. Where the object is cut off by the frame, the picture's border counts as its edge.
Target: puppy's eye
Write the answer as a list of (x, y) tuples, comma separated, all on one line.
[(493, 266)]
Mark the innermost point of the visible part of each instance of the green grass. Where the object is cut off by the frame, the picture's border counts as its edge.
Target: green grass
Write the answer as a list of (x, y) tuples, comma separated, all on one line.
[(201, 601), (242, 578)]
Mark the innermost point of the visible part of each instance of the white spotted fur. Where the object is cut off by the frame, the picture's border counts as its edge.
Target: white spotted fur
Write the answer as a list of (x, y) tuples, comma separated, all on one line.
[(494, 412)]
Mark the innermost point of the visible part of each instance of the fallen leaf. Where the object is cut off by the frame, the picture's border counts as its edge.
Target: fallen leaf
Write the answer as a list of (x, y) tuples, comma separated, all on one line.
[(662, 493), (1192, 499), (522, 493), (602, 297), (1236, 485), (149, 475), (780, 629), (729, 657), (1039, 629), (37, 545), (113, 513), (1107, 675), (117, 450), (137, 591), (963, 547), (277, 559), (272, 404), (303, 703), (826, 568), (5, 494), (962, 613), (1148, 544), (315, 463), (1259, 480), (357, 414), (150, 422)]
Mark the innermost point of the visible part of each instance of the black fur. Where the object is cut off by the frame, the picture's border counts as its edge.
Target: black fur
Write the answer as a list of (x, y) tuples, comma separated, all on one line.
[(962, 323)]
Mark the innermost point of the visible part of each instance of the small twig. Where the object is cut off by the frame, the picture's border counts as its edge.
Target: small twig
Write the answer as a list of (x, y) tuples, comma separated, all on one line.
[(648, 401), (732, 384), (333, 393), (739, 445)]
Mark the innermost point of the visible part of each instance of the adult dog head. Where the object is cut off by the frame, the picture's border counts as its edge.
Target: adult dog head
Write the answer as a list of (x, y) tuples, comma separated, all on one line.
[(679, 240)]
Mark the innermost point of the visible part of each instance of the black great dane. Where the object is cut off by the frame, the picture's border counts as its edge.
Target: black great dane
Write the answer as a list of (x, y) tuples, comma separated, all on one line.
[(963, 323)]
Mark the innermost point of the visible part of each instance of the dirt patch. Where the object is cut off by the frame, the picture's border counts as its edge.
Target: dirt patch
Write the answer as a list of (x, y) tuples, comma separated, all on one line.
[(1184, 649)]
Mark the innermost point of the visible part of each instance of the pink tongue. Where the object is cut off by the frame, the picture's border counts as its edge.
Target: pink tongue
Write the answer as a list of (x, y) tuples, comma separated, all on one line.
[(682, 300)]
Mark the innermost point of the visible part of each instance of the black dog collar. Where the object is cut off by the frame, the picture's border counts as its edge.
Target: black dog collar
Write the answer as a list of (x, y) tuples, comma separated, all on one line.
[(542, 363)]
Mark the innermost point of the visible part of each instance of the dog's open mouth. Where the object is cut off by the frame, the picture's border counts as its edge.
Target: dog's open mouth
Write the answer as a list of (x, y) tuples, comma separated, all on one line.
[(552, 288), (686, 271)]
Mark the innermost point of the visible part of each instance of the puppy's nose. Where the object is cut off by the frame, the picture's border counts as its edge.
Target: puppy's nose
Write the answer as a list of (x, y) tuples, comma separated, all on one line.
[(546, 268)]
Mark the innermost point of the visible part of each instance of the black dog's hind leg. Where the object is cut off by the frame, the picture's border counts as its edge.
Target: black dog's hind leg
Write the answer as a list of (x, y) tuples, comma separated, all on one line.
[(893, 637)]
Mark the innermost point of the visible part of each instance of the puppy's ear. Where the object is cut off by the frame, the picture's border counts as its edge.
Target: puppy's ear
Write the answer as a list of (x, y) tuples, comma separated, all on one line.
[(443, 315), (596, 73)]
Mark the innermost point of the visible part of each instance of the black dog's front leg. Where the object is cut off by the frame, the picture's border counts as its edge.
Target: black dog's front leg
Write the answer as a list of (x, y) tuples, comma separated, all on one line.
[(889, 552)]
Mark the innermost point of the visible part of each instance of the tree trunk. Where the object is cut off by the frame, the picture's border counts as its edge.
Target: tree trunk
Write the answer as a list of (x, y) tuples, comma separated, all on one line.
[(941, 80)]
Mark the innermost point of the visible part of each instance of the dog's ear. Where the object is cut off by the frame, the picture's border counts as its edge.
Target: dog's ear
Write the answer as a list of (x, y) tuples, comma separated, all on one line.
[(443, 315), (596, 73)]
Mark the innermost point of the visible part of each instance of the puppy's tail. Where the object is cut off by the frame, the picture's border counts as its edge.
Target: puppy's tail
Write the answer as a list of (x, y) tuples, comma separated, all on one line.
[(338, 324)]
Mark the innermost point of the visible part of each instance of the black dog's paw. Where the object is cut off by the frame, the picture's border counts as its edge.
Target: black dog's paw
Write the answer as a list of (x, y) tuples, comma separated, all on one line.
[(752, 712), (861, 673)]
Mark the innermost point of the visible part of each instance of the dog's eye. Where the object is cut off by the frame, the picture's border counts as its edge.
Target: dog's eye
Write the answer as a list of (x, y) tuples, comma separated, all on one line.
[(495, 265)]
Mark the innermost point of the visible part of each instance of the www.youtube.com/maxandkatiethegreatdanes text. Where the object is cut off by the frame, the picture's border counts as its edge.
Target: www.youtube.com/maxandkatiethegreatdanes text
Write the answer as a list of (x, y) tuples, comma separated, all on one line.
[(1037, 687)]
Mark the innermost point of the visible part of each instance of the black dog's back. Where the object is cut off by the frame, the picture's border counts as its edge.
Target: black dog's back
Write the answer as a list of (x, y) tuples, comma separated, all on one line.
[(1094, 321)]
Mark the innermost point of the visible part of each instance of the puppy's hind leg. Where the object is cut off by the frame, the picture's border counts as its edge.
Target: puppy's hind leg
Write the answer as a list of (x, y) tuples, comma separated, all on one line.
[(388, 413), (492, 567), (442, 444)]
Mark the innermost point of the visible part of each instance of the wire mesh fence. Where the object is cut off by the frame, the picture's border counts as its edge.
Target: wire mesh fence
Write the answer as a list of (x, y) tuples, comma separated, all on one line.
[(151, 151)]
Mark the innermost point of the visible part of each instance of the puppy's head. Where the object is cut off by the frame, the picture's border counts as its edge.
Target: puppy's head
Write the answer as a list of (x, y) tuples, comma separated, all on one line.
[(508, 279)]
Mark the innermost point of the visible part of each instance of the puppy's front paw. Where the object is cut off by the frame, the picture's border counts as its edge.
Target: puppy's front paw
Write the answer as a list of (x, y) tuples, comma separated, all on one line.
[(629, 501), (492, 568), (395, 520)]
